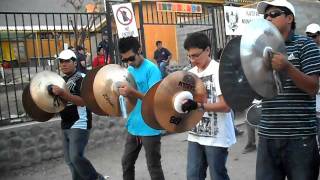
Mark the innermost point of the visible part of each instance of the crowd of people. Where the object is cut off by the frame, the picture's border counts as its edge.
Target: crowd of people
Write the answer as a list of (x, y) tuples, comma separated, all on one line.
[(287, 145)]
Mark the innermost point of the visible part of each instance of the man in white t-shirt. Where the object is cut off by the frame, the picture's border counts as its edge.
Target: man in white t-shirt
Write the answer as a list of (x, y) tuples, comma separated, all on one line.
[(209, 141)]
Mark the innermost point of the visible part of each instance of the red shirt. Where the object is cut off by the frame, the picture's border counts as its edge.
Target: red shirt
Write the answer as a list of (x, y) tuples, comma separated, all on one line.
[(99, 60)]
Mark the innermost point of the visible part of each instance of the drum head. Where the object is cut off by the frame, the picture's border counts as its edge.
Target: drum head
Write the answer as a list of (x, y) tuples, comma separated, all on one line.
[(254, 115)]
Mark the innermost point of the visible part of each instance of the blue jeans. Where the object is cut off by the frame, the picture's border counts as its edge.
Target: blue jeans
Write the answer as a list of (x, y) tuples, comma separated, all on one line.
[(296, 159), (162, 66), (200, 157), (74, 143)]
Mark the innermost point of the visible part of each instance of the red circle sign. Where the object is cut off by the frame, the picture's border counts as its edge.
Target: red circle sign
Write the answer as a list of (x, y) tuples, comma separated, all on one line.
[(124, 15)]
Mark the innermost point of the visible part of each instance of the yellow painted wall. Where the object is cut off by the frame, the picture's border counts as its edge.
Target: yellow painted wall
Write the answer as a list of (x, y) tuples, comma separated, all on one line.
[(6, 56)]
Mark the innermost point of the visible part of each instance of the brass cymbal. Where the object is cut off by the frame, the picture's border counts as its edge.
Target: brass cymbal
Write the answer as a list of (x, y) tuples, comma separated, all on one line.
[(86, 92), (32, 109), (40, 94), (148, 114), (234, 85), (170, 87), (259, 40), (105, 89)]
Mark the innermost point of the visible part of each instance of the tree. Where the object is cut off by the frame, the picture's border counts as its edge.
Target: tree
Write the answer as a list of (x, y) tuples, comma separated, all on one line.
[(81, 31)]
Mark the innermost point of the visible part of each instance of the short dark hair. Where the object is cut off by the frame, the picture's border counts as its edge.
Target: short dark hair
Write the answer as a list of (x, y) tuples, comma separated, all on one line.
[(197, 40), (99, 49), (129, 43), (158, 42)]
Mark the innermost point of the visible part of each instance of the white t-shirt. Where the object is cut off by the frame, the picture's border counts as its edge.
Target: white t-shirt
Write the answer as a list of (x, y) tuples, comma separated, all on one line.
[(215, 128)]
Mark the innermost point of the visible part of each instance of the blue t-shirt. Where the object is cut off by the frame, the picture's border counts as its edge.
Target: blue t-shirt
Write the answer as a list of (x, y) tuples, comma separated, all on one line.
[(146, 75)]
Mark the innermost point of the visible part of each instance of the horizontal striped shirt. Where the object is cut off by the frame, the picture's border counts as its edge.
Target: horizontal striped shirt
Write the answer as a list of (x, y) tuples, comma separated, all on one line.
[(292, 113)]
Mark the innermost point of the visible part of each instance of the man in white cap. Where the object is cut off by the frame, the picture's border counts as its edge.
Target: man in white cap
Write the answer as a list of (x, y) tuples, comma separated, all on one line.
[(287, 131), (313, 31)]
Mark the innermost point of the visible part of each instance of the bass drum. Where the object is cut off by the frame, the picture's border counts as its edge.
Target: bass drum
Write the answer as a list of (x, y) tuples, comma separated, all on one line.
[(253, 115)]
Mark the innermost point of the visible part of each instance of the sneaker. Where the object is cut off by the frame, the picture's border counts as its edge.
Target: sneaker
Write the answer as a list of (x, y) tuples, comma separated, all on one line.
[(249, 148)]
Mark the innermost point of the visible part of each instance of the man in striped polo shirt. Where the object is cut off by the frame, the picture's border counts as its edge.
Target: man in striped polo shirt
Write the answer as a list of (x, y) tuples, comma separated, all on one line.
[(288, 127), (76, 120)]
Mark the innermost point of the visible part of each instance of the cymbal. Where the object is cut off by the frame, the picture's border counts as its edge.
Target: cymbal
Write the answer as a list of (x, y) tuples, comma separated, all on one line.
[(253, 115), (86, 92), (105, 89), (148, 114), (32, 109), (259, 40), (40, 94), (174, 84), (234, 85)]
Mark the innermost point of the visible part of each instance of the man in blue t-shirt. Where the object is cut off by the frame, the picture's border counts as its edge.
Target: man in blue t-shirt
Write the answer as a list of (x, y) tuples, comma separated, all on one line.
[(145, 74)]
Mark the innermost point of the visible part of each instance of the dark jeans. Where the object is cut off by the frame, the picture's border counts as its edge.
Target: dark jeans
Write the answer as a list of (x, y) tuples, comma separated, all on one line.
[(162, 66), (152, 148), (296, 159), (200, 157), (74, 143)]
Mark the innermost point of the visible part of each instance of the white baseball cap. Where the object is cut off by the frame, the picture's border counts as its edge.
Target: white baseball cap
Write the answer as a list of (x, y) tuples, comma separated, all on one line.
[(261, 7), (313, 28), (67, 54)]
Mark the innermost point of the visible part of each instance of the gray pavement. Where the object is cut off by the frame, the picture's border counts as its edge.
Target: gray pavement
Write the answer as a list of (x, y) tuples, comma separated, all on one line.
[(107, 160)]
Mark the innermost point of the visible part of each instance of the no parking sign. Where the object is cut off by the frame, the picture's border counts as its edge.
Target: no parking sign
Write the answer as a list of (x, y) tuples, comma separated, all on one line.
[(125, 20)]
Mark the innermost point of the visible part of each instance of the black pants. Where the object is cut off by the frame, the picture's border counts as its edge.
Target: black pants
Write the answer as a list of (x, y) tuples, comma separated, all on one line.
[(152, 148)]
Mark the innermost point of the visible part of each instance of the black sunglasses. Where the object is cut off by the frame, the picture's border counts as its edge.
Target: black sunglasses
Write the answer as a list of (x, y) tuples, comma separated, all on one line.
[(312, 35), (273, 14), (131, 59)]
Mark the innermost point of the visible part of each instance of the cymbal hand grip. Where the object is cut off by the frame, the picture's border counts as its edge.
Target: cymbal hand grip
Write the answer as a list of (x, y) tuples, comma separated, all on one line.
[(267, 56), (179, 99), (189, 106), (49, 88)]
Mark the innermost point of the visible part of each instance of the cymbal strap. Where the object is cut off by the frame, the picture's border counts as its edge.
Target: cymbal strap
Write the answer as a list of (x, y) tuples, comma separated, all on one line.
[(123, 107)]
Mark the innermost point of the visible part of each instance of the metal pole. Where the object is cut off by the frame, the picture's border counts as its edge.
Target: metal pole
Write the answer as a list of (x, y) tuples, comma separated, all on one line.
[(109, 29), (142, 29)]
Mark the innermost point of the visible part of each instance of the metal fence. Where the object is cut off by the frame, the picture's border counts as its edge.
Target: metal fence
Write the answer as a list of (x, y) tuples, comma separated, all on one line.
[(30, 42)]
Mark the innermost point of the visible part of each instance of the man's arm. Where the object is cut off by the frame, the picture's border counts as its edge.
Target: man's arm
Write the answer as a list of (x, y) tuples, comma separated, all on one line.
[(219, 106), (169, 55), (66, 95), (307, 83)]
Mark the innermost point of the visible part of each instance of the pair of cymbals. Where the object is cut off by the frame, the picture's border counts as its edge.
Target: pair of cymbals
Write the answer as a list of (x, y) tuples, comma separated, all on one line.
[(99, 90), (37, 101), (158, 105), (234, 85), (245, 71)]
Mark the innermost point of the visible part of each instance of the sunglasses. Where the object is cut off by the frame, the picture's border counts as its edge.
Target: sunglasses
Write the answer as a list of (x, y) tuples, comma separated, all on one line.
[(131, 59), (273, 14), (312, 35)]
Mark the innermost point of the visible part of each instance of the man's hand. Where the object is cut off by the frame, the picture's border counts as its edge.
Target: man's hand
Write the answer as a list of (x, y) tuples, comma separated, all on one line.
[(56, 90), (279, 62), (125, 89), (189, 105)]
